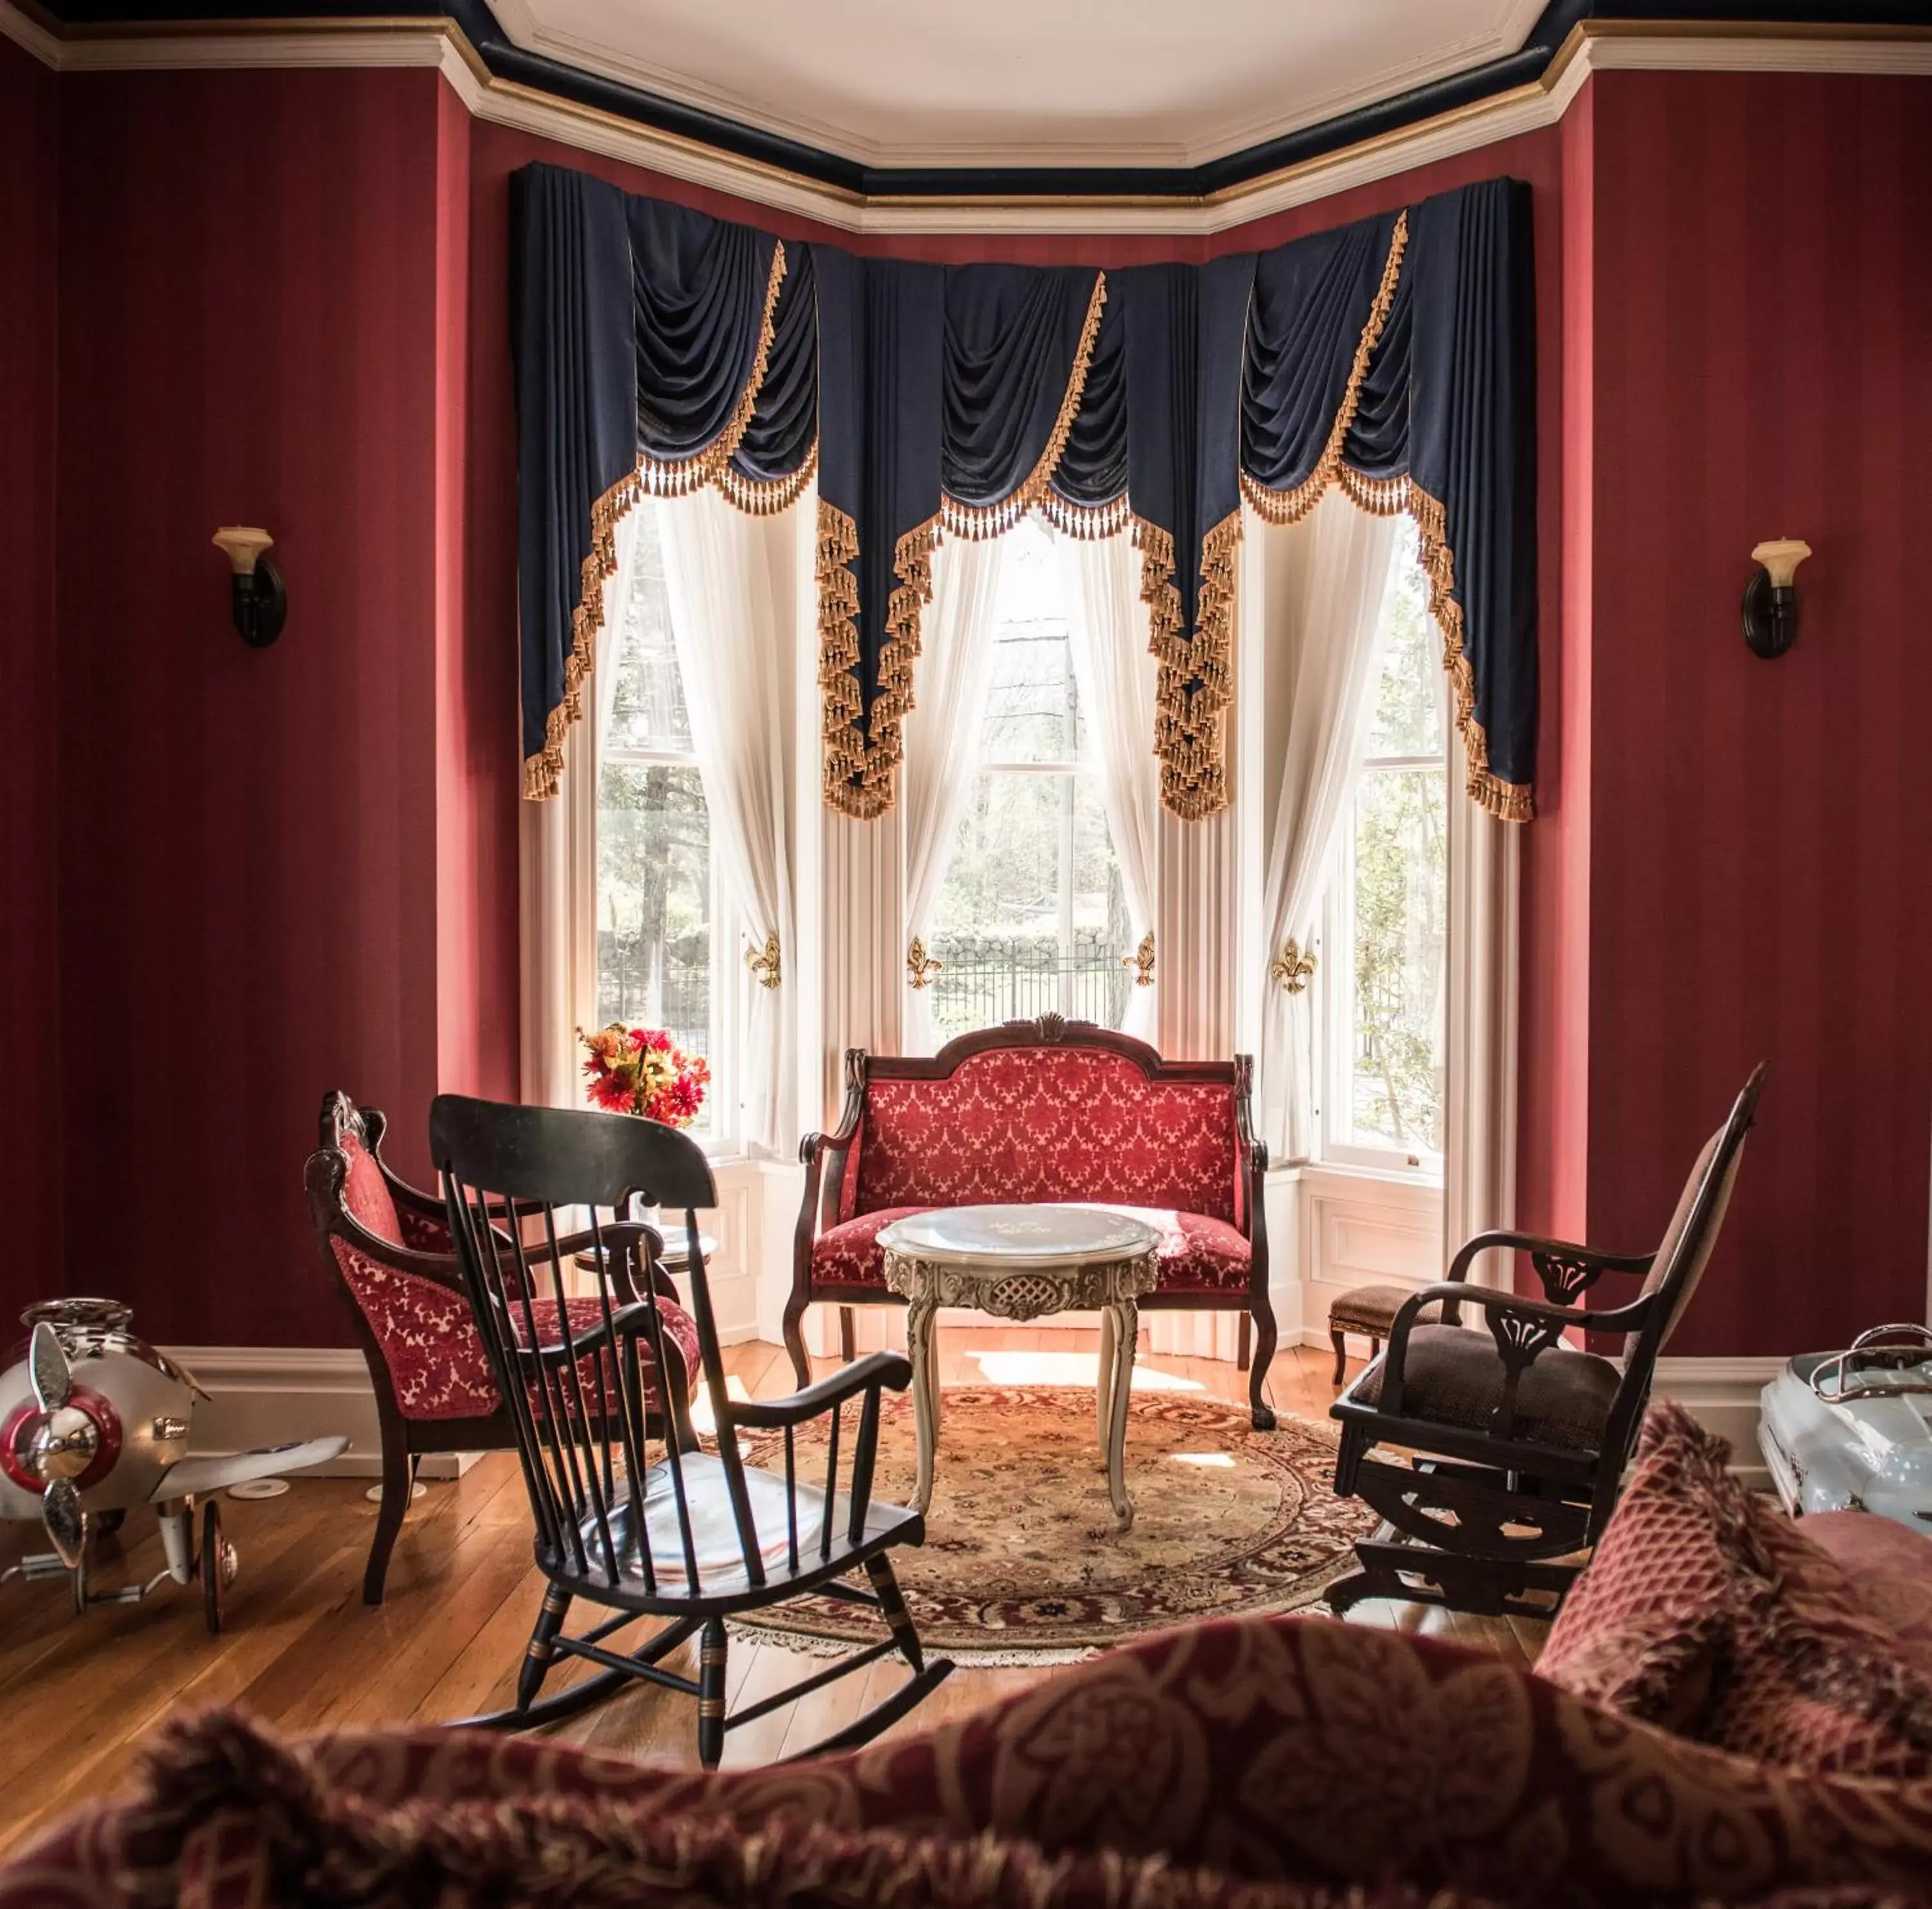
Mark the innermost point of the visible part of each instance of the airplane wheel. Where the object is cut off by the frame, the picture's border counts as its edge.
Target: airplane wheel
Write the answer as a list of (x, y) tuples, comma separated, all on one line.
[(217, 1567)]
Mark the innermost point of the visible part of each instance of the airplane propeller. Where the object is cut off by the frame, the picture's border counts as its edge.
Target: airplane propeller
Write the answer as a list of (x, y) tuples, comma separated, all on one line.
[(60, 1447)]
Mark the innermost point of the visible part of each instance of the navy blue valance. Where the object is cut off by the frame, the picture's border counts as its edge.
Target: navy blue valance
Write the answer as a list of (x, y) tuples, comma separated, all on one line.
[(658, 348)]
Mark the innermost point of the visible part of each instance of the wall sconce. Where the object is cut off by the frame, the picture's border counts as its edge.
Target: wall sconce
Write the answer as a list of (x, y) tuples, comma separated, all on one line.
[(261, 605), (1770, 597)]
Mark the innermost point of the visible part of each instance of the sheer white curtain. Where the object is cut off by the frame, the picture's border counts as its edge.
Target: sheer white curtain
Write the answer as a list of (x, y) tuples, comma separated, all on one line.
[(1479, 1162), (1107, 629), (942, 737), (733, 592), (1327, 579), (556, 866)]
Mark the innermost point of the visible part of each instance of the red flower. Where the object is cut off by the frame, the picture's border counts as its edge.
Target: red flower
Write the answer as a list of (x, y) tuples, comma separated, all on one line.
[(612, 1092)]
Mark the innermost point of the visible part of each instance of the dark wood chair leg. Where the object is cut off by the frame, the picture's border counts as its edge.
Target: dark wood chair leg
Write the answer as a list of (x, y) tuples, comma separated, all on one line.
[(1260, 1411), (794, 1339), (539, 1654), (711, 1648), (886, 1589), (846, 1339), (1242, 1347), (399, 1476), (1341, 1340)]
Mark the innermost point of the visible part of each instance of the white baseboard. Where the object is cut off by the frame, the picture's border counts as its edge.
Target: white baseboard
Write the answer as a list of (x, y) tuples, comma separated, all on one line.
[(262, 1395)]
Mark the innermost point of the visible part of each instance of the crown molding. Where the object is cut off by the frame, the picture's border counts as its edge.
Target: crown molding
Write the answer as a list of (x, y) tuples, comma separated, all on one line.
[(1590, 46)]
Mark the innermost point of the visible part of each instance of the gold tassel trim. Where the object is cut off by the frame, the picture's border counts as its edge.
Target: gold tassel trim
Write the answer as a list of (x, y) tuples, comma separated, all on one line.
[(653, 477), (543, 771), (912, 564), (979, 523), (679, 477), (1087, 524), (1189, 734), (1291, 506), (843, 713), (768, 496)]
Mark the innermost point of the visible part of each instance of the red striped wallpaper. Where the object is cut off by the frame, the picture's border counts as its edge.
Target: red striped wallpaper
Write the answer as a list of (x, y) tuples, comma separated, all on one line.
[(30, 1030), (1763, 367)]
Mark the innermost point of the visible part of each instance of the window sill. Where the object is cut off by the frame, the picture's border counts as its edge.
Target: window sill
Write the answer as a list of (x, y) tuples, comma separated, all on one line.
[(1353, 1173)]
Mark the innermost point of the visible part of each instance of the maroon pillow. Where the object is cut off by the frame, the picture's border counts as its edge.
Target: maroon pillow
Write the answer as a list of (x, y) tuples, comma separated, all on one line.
[(1707, 1611)]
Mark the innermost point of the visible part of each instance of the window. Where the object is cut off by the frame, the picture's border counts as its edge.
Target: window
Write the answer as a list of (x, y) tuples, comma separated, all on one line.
[(1384, 976), (658, 963), (1032, 915)]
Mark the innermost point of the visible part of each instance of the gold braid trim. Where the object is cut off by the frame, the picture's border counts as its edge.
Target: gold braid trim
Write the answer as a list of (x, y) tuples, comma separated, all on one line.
[(843, 714), (1291, 506), (679, 477), (768, 496), (541, 772), (1513, 801), (654, 478), (980, 523)]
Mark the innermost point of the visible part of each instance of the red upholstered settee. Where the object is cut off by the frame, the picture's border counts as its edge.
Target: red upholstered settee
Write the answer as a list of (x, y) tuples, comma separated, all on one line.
[(1044, 1110)]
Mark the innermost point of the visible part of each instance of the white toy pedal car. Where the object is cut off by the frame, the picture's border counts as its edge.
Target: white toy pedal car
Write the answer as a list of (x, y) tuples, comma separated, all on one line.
[(1852, 1431)]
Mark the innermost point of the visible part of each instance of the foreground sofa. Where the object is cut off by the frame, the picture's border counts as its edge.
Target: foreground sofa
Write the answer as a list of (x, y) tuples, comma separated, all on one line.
[(1288, 1763), (1049, 1109)]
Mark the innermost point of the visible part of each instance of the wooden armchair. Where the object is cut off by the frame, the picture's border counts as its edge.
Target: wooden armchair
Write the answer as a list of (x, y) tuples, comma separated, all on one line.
[(692, 1535), (387, 1248), (1516, 1443)]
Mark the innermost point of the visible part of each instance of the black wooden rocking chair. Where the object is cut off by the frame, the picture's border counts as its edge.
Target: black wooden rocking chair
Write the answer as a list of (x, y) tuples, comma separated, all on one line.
[(684, 1534), (1516, 1443)]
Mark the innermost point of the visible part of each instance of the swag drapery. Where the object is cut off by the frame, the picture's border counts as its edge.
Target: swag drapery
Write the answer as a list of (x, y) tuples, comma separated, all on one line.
[(658, 350)]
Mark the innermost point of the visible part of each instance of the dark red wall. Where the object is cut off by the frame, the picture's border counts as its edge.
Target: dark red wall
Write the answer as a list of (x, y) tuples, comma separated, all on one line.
[(259, 326), (30, 991), (1759, 831)]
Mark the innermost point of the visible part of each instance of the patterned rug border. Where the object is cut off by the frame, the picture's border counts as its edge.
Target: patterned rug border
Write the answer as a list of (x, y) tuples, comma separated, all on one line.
[(941, 1639)]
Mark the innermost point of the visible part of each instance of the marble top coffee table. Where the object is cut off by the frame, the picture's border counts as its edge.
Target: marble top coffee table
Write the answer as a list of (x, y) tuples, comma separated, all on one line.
[(1021, 1263)]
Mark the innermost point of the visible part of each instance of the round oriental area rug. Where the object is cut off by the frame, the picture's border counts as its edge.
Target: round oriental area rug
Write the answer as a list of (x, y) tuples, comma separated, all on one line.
[(1022, 1562)]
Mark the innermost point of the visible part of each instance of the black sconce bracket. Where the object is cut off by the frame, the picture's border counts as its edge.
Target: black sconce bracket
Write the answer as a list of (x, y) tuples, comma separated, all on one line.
[(261, 603), (1770, 616)]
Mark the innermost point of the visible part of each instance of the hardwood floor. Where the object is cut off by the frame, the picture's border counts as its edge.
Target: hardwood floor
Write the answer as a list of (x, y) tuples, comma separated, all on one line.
[(302, 1651)]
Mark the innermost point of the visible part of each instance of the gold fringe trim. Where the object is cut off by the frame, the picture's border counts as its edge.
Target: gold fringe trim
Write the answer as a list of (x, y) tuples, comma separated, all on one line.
[(842, 712), (1087, 524), (652, 477), (1290, 506), (979, 523), (1189, 733), (680, 477), (768, 497), (542, 771), (912, 564)]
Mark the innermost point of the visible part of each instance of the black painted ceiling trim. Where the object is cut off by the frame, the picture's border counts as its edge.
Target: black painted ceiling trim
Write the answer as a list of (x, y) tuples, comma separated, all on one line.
[(506, 61)]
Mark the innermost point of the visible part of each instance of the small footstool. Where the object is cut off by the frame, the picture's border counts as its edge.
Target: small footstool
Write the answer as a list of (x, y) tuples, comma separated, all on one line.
[(1369, 1310)]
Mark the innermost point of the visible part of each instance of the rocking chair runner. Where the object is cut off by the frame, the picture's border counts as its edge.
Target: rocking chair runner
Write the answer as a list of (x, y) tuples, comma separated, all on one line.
[(692, 1535), (1520, 1443)]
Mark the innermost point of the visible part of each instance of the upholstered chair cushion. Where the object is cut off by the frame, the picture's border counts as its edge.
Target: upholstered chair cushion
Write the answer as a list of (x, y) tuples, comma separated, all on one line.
[(1706, 1611), (1047, 1123), (1197, 1254), (1454, 1377), (1892, 1568), (437, 1367), (365, 1193)]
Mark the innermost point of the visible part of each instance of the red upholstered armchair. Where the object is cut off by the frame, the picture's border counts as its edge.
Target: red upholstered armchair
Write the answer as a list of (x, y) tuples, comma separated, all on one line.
[(1043, 1110), (387, 1247)]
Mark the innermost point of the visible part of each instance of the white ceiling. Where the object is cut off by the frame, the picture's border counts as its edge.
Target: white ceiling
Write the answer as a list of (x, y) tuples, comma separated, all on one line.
[(900, 82)]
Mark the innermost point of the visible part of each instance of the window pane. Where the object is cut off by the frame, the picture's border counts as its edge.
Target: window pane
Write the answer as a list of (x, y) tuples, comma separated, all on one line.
[(649, 711), (1394, 1085), (1032, 712), (654, 907), (1408, 710)]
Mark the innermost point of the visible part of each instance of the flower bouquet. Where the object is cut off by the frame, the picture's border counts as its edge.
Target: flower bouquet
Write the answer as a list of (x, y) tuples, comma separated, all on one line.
[(642, 1070)]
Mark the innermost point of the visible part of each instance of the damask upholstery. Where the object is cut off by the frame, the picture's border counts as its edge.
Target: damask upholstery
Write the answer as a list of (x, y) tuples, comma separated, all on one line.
[(437, 1367), (1196, 1254), (366, 1198), (1706, 1608), (1455, 1377), (1892, 1568), (1025, 1124), (1252, 1763)]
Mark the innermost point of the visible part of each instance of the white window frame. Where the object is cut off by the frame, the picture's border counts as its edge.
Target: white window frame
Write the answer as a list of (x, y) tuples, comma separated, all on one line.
[(1334, 983)]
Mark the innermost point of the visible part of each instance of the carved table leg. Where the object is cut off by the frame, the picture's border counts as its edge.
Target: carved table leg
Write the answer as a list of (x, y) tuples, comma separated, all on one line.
[(921, 1348), (1103, 1384), (1124, 1320)]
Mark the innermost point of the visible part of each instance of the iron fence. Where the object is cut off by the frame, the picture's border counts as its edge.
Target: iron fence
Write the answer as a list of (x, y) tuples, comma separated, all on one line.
[(988, 979), (645, 986)]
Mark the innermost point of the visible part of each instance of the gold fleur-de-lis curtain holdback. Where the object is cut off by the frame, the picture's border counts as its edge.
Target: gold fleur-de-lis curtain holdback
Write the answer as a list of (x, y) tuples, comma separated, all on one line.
[(920, 968), (1141, 962), (1291, 968), (764, 963)]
